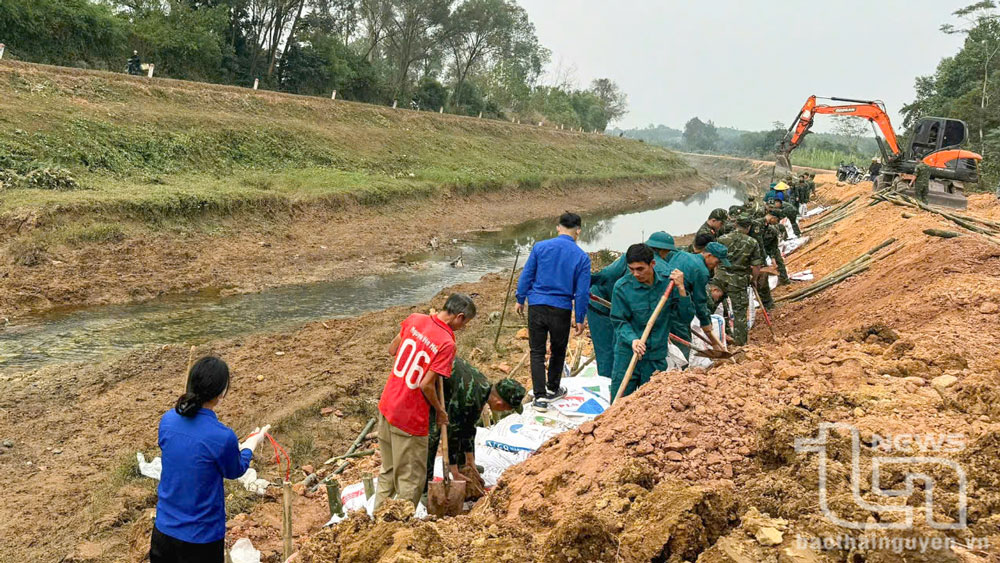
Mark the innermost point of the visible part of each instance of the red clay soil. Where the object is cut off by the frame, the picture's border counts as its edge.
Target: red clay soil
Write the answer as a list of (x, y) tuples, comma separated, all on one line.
[(696, 464)]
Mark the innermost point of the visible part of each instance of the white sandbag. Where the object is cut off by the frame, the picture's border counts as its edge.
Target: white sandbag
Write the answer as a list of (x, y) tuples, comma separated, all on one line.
[(804, 275), (518, 433), (752, 313), (152, 469), (718, 327), (816, 211), (243, 552), (791, 245), (496, 461), (586, 397)]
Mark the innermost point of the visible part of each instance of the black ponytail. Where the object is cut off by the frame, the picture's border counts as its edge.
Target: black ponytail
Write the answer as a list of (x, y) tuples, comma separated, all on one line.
[(208, 378)]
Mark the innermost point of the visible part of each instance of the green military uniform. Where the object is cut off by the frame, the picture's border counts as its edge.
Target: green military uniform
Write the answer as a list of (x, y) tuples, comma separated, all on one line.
[(632, 304), (921, 184), (704, 229), (695, 280), (810, 189), (465, 392), (744, 253), (602, 332), (767, 237)]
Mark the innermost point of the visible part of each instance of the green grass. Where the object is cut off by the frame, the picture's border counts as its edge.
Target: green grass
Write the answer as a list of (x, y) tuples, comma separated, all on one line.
[(166, 149)]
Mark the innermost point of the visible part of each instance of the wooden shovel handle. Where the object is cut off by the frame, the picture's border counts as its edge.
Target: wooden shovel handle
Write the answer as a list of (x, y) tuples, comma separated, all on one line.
[(445, 465), (645, 336)]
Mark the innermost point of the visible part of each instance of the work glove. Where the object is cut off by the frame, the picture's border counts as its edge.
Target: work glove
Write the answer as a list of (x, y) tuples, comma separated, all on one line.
[(255, 438)]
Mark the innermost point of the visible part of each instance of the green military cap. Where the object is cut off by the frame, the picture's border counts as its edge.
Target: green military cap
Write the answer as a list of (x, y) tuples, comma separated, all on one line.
[(734, 209), (511, 392), (661, 241), (719, 214), (720, 251), (744, 220)]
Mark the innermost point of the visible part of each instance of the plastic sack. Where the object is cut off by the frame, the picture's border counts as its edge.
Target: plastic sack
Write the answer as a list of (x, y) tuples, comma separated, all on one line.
[(152, 469), (243, 552), (516, 433)]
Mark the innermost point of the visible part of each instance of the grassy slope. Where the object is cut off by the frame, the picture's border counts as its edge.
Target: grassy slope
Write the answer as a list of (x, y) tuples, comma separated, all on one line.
[(165, 148)]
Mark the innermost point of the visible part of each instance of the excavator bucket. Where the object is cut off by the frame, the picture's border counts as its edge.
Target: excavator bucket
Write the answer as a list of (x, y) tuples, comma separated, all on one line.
[(782, 166)]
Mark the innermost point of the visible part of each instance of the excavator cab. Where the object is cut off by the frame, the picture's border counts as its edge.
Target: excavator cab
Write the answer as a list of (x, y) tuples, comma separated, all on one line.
[(932, 134)]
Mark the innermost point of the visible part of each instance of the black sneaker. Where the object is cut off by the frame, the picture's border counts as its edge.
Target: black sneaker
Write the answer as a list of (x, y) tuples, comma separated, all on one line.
[(540, 404), (556, 395)]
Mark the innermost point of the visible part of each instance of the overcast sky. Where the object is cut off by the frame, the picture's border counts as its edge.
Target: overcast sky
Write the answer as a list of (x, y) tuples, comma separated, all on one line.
[(742, 63)]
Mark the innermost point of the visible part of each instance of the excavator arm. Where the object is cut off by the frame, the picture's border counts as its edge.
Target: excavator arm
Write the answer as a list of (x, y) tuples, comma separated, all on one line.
[(873, 111)]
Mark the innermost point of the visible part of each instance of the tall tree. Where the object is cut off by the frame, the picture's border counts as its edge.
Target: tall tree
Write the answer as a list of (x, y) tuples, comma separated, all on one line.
[(417, 27), (614, 101), (982, 41), (477, 30)]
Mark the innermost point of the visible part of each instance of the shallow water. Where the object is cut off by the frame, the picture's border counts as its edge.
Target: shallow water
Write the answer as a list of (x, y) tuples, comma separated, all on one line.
[(96, 332)]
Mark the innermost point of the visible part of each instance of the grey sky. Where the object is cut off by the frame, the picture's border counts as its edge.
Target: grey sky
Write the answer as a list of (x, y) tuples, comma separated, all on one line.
[(745, 63)]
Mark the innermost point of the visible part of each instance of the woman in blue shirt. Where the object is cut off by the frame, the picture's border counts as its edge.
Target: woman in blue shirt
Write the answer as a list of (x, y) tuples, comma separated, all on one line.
[(198, 452)]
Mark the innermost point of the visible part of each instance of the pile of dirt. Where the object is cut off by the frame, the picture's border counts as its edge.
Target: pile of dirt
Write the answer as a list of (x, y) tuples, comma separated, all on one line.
[(905, 348)]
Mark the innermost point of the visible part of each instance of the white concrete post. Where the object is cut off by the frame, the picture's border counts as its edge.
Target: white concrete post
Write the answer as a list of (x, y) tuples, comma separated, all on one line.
[(256, 83), (150, 73), (441, 110), (334, 95), (394, 104), (480, 115), (539, 123), (1, 50)]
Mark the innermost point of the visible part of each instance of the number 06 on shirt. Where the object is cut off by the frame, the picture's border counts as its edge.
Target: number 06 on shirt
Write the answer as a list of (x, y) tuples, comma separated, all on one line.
[(426, 343)]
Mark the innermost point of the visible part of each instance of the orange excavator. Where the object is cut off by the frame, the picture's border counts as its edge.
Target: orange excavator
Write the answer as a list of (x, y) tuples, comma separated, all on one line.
[(935, 141)]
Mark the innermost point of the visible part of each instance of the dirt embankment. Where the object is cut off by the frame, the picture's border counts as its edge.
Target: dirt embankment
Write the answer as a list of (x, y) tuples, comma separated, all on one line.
[(703, 466), (311, 244), (746, 171)]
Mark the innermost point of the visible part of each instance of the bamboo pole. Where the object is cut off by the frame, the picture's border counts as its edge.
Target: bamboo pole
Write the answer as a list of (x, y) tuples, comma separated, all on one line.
[(584, 366), (506, 298), (357, 442), (286, 521), (520, 363), (363, 453)]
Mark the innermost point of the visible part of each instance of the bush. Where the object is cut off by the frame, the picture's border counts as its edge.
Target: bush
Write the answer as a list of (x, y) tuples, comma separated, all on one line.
[(27, 253)]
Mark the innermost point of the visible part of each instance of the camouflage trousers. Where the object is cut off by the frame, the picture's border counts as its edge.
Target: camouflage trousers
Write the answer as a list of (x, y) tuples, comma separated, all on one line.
[(736, 288)]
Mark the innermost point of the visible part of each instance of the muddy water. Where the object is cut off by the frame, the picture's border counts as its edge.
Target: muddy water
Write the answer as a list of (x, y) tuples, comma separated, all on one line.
[(93, 333)]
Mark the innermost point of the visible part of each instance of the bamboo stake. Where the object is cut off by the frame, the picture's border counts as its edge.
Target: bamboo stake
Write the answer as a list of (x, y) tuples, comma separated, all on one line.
[(286, 521), (506, 298), (366, 478), (333, 497), (941, 233)]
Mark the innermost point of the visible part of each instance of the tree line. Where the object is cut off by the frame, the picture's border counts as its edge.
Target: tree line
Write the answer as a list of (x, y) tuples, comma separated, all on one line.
[(965, 85), (470, 57), (850, 141)]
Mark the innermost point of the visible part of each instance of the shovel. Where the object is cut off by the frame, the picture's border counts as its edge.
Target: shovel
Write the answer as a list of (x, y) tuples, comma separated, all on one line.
[(445, 497), (710, 353)]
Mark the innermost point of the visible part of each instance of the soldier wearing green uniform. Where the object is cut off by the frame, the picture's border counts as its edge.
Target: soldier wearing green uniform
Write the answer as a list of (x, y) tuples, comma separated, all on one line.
[(746, 258), (791, 205), (696, 276), (766, 232), (466, 392), (713, 226), (922, 181), (632, 304), (602, 333)]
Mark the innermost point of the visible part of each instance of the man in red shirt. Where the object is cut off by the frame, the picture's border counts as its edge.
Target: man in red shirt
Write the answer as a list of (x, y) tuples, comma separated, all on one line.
[(424, 350)]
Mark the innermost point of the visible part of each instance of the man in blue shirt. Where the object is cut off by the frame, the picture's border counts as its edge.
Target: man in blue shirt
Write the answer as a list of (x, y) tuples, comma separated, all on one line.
[(555, 282)]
